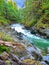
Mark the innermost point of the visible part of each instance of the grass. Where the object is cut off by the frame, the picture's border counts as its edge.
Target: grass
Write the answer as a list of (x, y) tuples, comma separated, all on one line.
[(5, 37)]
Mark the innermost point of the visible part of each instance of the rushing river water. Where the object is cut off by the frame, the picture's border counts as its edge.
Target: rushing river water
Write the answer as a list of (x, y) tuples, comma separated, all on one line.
[(26, 35)]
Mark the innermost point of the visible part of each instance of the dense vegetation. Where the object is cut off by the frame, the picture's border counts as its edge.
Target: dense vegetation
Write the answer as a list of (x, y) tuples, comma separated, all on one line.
[(5, 37), (4, 48), (35, 11), (17, 51), (8, 12)]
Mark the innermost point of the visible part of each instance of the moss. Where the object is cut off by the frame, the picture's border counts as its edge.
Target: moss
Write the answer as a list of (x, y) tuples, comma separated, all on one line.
[(4, 48), (43, 52), (8, 62), (5, 37), (32, 62)]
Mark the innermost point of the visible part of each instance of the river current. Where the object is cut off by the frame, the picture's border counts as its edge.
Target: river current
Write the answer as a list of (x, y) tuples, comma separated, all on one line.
[(26, 35)]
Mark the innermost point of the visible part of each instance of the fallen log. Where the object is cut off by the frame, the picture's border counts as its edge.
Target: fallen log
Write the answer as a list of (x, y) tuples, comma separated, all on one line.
[(9, 44)]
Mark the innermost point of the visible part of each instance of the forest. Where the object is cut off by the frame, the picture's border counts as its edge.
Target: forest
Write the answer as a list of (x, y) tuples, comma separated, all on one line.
[(24, 32)]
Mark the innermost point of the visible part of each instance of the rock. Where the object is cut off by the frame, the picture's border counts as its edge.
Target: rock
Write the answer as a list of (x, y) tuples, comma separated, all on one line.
[(14, 58), (33, 30), (42, 31), (13, 63), (4, 56), (2, 62), (38, 35), (8, 28), (20, 50), (17, 60), (28, 56), (8, 62), (32, 62), (46, 31), (48, 50), (46, 59), (34, 52), (43, 63)]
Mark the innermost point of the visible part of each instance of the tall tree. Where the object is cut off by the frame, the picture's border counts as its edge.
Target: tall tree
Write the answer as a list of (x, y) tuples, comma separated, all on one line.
[(34, 11)]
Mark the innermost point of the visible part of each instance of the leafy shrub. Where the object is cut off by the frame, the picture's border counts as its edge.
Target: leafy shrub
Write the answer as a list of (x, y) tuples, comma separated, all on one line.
[(4, 21), (8, 12), (4, 48), (5, 37)]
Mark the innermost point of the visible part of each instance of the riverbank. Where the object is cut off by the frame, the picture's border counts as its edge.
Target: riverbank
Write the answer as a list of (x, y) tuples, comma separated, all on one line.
[(18, 49), (35, 54), (41, 32), (24, 35), (24, 32), (18, 54)]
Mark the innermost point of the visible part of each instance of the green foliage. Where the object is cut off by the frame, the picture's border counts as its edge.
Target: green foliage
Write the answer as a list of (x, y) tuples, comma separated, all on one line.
[(5, 37), (12, 13), (4, 48), (4, 21), (33, 13), (8, 62), (8, 12), (29, 13), (36, 11)]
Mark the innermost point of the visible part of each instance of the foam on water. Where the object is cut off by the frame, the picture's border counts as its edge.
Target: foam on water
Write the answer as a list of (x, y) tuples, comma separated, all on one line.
[(21, 29), (28, 36)]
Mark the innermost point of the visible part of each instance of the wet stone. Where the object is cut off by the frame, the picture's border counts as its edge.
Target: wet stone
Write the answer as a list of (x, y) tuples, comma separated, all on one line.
[(2, 62)]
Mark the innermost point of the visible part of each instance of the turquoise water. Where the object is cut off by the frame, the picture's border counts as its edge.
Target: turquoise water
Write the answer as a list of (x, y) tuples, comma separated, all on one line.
[(37, 41)]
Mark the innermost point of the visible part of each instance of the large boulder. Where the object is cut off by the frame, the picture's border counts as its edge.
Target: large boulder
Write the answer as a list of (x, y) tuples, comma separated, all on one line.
[(43, 63), (42, 31), (46, 31), (34, 52), (2, 62), (48, 50), (4, 56), (32, 62), (46, 59)]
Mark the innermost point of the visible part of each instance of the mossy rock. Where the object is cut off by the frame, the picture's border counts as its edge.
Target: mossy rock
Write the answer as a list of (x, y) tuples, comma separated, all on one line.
[(5, 37), (8, 62), (32, 62)]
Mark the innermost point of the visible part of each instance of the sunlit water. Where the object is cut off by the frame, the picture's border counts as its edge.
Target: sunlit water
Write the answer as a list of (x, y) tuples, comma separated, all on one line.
[(39, 42)]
